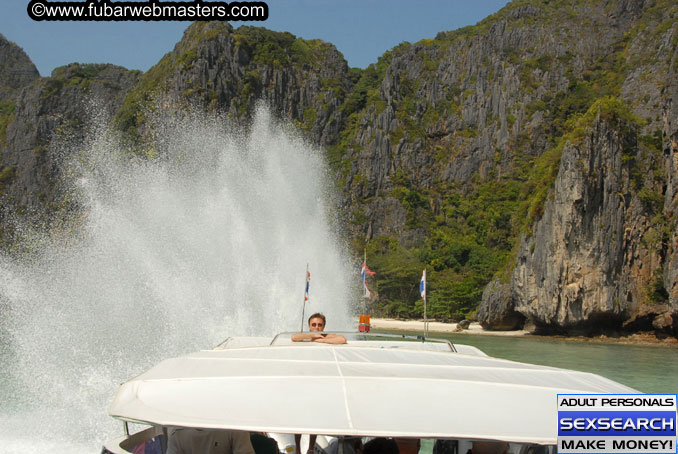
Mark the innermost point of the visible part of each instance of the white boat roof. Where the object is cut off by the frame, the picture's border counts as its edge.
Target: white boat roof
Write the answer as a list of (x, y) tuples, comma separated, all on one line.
[(356, 390)]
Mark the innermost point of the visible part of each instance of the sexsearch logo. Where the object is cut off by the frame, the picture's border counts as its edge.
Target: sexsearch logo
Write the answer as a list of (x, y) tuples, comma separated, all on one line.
[(617, 423)]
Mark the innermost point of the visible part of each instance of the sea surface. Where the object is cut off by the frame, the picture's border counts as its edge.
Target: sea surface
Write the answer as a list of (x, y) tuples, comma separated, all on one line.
[(649, 369)]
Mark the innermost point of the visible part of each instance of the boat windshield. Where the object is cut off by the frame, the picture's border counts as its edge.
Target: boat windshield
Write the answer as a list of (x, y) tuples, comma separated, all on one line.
[(379, 340)]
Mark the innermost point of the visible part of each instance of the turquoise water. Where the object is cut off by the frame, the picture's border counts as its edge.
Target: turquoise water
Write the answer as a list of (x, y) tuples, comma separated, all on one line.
[(649, 369)]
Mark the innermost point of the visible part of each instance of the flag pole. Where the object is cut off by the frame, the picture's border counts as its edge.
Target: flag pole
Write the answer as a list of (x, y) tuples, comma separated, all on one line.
[(303, 305), (365, 297), (422, 290), (364, 320), (425, 321)]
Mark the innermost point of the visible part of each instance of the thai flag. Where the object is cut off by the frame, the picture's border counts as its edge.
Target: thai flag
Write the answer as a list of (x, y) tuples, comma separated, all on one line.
[(363, 274), (308, 284), (422, 286)]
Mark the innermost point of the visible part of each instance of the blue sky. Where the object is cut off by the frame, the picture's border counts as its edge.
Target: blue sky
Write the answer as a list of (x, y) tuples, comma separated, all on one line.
[(362, 30)]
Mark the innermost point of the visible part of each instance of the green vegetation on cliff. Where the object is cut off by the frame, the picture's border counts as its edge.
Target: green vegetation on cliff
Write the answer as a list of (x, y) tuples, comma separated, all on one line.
[(471, 231), (245, 56), (474, 235), (464, 232)]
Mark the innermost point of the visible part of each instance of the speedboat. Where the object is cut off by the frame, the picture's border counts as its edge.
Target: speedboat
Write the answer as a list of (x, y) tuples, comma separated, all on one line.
[(375, 385)]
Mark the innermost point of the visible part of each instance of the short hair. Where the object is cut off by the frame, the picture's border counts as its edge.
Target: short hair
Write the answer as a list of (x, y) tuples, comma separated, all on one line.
[(381, 446), (317, 315), (490, 447)]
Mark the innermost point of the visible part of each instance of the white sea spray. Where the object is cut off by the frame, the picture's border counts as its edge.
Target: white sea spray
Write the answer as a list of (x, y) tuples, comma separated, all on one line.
[(208, 238)]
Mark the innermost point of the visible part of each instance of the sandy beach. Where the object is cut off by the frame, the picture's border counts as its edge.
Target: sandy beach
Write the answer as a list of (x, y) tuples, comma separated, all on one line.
[(438, 327), (390, 324)]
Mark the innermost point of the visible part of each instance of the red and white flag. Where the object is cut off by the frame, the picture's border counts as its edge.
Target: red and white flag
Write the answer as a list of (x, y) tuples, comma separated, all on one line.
[(364, 271)]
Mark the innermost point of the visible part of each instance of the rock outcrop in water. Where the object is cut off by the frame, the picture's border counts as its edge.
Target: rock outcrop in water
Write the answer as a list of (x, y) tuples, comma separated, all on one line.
[(537, 150), (498, 311)]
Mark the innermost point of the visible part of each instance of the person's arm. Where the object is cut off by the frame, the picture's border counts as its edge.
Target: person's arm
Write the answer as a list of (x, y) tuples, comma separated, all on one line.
[(301, 337), (324, 338), (331, 339)]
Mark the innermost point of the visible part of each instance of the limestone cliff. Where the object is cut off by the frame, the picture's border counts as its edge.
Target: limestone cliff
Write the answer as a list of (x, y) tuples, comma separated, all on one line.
[(594, 260), (603, 254), (460, 142), (44, 110), (228, 71), (16, 72), (670, 149), (16, 69)]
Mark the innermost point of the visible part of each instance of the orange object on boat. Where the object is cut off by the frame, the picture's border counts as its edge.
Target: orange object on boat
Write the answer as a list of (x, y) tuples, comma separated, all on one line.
[(364, 326)]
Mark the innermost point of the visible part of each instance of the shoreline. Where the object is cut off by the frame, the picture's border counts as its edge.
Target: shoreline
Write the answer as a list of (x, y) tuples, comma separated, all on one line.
[(638, 339), (439, 327)]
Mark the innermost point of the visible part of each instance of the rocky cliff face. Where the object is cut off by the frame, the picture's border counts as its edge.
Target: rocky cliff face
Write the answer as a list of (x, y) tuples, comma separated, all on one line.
[(603, 254), (479, 109), (16, 69), (594, 258), (670, 149), (43, 112), (227, 70), (465, 105), (536, 150)]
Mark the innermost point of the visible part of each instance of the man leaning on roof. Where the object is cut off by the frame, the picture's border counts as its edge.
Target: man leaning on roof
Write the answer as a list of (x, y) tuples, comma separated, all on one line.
[(316, 326)]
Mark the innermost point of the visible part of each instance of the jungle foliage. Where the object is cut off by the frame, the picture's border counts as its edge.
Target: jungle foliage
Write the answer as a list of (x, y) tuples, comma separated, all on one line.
[(471, 234)]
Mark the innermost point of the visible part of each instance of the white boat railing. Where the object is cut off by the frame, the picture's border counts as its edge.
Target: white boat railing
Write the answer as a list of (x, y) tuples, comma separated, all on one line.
[(385, 340)]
